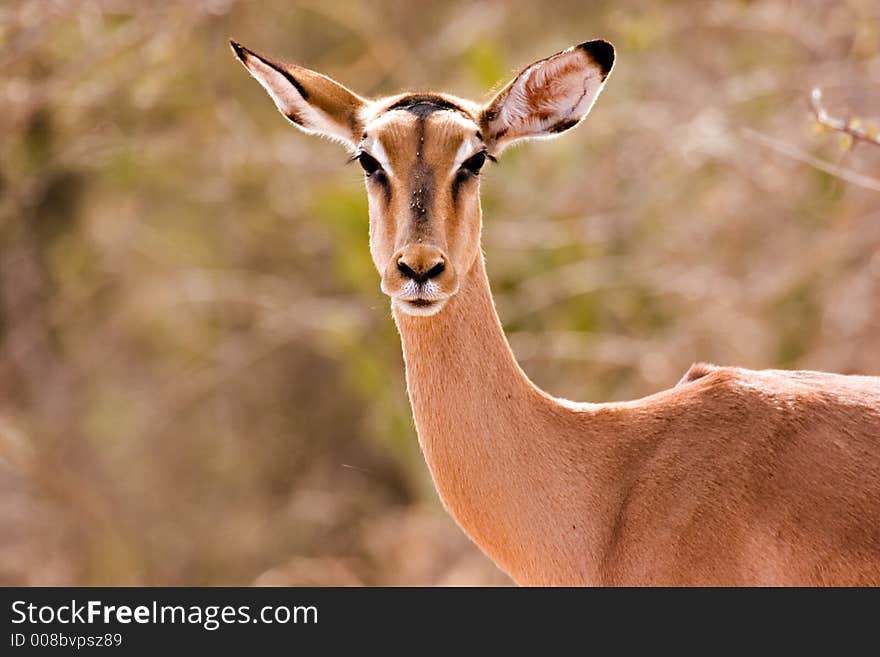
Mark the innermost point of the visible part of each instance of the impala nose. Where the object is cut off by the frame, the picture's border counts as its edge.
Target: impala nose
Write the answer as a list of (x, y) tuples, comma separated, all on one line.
[(421, 263)]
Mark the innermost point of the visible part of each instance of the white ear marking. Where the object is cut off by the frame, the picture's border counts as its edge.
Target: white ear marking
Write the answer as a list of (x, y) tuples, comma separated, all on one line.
[(550, 96), (287, 98), (313, 102)]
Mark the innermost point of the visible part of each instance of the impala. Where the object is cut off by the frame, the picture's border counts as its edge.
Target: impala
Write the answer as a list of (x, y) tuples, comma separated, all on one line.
[(732, 477)]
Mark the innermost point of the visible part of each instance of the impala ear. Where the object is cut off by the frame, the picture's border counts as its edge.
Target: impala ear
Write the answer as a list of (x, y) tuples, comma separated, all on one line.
[(548, 97), (311, 101)]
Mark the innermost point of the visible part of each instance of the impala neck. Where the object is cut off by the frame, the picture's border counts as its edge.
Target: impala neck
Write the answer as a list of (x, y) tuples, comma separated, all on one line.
[(496, 445)]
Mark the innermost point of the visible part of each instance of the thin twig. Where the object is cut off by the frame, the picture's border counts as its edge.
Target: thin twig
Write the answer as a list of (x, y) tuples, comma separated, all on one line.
[(795, 153), (851, 127)]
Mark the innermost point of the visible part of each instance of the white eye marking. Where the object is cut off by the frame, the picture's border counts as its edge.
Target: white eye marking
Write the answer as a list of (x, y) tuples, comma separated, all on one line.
[(467, 150), (463, 153), (378, 151), (469, 145)]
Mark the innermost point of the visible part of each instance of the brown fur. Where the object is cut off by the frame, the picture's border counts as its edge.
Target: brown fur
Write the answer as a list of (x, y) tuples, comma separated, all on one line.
[(732, 477), (740, 478)]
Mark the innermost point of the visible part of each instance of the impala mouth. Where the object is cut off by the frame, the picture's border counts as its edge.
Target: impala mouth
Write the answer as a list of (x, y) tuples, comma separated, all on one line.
[(419, 306)]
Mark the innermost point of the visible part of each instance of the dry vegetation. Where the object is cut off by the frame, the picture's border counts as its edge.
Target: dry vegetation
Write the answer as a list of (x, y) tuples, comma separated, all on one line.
[(199, 379)]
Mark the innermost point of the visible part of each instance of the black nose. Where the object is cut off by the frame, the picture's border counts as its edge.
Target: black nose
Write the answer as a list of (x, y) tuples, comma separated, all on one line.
[(417, 273)]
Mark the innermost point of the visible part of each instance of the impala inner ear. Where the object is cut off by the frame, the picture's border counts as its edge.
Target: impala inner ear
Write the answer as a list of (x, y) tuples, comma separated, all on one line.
[(549, 97), (313, 102)]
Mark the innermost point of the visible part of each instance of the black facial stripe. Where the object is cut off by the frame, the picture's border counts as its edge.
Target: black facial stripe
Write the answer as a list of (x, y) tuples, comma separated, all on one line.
[(422, 181), (382, 180), (421, 193), (459, 180)]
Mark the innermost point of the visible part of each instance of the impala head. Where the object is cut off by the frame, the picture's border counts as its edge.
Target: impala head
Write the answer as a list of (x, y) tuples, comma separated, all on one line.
[(422, 154)]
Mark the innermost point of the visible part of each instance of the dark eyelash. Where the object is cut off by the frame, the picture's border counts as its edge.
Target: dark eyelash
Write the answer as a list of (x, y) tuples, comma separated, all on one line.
[(477, 160), (488, 155), (357, 157), (370, 164)]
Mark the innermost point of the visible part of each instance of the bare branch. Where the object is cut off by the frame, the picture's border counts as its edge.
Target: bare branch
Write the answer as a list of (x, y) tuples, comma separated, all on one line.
[(795, 153), (851, 127)]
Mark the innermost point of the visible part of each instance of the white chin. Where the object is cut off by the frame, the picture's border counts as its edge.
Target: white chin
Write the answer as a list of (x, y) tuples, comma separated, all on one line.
[(419, 308)]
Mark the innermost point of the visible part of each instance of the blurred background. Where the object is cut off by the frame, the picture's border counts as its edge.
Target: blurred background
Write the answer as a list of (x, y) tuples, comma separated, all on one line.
[(200, 382)]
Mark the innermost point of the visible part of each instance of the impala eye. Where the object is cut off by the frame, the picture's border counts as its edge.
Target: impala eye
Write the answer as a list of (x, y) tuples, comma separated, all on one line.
[(475, 162), (369, 163)]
